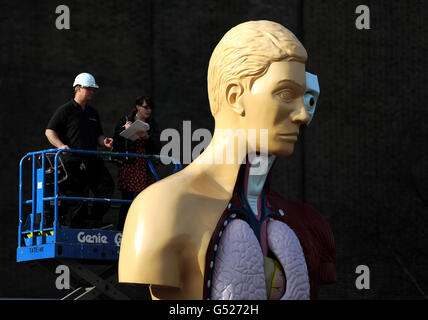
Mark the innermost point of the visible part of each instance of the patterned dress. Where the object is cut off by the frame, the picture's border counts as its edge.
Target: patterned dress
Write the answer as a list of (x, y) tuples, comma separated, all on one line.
[(135, 176)]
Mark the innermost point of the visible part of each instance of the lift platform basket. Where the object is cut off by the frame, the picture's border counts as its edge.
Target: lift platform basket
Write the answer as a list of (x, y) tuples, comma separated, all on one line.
[(40, 234)]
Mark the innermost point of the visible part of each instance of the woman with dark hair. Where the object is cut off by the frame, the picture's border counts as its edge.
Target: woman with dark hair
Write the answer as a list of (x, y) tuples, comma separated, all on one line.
[(134, 174)]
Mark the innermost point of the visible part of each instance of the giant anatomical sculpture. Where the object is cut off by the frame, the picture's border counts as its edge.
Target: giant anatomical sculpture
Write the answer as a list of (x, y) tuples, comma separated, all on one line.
[(217, 230)]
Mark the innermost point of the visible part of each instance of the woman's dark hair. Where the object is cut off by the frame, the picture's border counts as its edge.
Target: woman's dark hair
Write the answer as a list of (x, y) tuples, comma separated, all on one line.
[(153, 144), (140, 101)]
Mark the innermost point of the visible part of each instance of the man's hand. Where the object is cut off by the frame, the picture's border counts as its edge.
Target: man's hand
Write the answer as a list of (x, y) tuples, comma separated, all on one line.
[(64, 147), (108, 142)]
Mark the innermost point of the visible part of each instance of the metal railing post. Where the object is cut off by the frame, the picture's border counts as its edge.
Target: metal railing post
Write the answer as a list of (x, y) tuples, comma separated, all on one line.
[(34, 198), (56, 191), (21, 200), (42, 215)]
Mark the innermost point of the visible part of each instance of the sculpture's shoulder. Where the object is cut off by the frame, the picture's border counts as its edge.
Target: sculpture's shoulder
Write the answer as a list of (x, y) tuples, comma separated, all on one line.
[(153, 235), (170, 203), (166, 226), (160, 200), (313, 231)]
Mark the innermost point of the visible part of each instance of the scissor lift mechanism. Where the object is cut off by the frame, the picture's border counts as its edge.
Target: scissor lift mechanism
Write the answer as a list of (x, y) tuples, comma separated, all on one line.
[(39, 239)]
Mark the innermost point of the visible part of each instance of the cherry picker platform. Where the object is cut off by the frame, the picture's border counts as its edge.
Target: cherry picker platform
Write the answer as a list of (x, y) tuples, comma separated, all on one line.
[(41, 236)]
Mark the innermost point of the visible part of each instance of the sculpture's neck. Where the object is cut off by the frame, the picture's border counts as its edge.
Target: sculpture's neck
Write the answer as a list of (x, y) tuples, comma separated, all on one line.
[(254, 179), (222, 164)]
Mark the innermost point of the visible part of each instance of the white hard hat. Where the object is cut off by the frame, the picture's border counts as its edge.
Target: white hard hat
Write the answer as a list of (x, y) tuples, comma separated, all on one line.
[(85, 80)]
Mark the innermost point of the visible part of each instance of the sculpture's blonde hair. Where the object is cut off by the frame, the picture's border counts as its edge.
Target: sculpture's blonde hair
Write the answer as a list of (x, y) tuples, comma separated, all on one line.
[(245, 53)]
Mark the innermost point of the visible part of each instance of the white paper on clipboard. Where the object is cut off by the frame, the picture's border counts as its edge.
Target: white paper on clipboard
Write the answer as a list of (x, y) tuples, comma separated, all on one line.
[(131, 132)]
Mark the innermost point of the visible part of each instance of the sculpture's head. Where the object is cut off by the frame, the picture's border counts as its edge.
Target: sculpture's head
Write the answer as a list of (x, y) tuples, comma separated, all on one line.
[(257, 80)]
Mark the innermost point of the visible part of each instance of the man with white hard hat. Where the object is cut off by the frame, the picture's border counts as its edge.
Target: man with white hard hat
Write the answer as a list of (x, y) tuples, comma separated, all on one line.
[(76, 125), (85, 80)]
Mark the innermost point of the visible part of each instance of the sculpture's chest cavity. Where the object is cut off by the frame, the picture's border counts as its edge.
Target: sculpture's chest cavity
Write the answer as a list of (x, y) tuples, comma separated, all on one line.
[(240, 269), (255, 256)]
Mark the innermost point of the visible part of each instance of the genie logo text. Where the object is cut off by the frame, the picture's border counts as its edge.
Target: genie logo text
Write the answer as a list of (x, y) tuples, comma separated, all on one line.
[(118, 239), (88, 238)]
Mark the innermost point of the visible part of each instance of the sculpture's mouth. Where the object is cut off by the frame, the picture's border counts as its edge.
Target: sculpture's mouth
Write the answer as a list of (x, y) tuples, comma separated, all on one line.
[(289, 136)]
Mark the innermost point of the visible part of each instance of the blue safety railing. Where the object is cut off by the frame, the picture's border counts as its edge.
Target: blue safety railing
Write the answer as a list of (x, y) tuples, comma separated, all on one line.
[(37, 239)]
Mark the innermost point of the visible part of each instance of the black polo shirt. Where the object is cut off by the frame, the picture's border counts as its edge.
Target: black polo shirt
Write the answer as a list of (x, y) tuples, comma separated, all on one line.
[(76, 127)]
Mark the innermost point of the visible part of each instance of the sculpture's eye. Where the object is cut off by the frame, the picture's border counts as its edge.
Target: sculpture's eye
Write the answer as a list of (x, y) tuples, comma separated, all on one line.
[(310, 97), (287, 95), (310, 101)]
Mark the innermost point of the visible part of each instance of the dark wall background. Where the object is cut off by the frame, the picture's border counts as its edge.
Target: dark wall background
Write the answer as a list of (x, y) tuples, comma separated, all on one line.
[(362, 162)]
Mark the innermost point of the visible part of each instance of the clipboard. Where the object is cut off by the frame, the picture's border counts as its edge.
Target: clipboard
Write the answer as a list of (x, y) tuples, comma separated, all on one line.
[(131, 132)]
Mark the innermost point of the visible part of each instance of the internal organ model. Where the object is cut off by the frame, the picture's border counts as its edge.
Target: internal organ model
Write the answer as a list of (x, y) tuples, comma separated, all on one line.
[(265, 247)]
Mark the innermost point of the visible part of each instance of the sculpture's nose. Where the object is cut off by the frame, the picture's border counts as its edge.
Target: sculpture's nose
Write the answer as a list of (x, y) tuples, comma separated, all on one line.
[(300, 114)]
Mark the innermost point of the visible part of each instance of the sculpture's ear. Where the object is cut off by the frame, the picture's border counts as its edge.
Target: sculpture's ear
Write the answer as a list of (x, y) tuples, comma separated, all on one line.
[(234, 93)]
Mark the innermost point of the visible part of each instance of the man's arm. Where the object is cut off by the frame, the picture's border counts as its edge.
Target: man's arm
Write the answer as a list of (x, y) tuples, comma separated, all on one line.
[(102, 140), (54, 140)]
